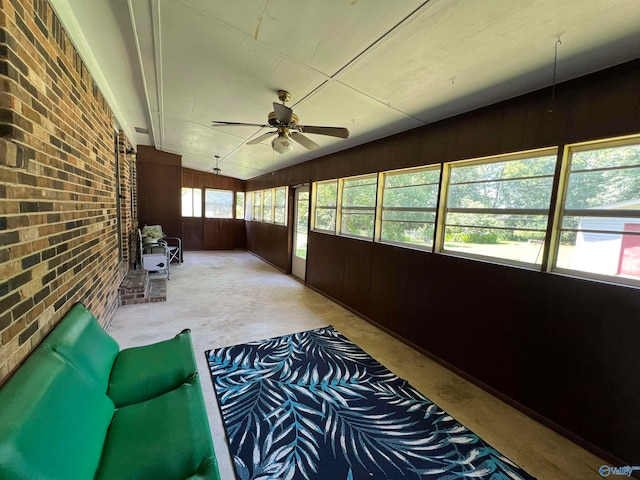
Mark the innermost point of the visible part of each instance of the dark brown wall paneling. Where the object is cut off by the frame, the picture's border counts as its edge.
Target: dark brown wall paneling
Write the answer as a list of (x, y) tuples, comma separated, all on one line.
[(561, 347), (266, 241), (159, 186), (223, 234), (192, 233)]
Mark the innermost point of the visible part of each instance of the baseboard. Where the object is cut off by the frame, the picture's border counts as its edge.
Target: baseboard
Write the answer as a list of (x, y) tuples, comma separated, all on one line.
[(268, 262)]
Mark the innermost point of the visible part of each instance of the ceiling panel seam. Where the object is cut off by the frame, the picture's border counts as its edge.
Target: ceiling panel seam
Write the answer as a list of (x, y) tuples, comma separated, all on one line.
[(157, 49)]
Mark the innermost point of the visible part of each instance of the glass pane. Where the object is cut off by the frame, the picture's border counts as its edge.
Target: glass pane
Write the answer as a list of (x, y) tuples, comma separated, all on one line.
[(358, 194), (538, 223), (357, 224), (501, 170), (611, 189), (627, 155), (267, 198), (417, 196), (485, 242), (197, 202), (239, 204), (257, 206), (409, 215), (278, 215), (526, 193), (609, 254), (415, 233), (325, 219), (360, 181), (281, 197), (187, 202), (523, 184), (327, 194), (302, 212), (423, 177), (267, 213), (301, 245), (218, 203)]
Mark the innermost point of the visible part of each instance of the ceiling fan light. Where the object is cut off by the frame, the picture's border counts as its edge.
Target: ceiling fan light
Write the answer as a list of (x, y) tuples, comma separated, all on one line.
[(282, 143)]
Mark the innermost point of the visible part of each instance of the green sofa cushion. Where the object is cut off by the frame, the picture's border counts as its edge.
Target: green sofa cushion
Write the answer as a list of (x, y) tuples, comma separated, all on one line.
[(83, 342), (141, 373), (53, 421), (165, 438)]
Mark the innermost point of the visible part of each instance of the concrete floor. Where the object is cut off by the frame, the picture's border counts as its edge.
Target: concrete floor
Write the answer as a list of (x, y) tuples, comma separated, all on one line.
[(227, 298)]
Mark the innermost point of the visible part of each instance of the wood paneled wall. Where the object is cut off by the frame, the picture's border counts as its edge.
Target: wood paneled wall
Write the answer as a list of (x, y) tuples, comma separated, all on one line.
[(212, 233), (159, 187), (562, 348)]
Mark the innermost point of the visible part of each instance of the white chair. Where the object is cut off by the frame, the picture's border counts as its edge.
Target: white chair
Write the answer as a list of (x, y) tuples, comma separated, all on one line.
[(155, 256), (174, 244)]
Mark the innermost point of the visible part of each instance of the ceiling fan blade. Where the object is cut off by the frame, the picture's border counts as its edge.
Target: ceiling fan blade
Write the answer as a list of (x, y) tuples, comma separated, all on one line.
[(261, 138), (283, 113), (217, 123), (304, 141), (340, 132)]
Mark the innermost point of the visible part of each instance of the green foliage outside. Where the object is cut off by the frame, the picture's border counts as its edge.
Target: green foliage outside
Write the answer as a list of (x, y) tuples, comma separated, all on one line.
[(478, 194)]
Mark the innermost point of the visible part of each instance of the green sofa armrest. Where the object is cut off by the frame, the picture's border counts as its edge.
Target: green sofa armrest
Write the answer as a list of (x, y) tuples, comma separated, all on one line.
[(142, 373), (81, 340)]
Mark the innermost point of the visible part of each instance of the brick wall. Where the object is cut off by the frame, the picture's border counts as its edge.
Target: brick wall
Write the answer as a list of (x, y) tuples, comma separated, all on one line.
[(128, 200), (59, 235)]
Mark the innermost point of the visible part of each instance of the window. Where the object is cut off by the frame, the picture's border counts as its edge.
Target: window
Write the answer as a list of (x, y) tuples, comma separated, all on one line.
[(599, 223), (280, 206), (191, 202), (218, 203), (257, 206), (325, 205), (239, 204), (248, 210), (409, 202), (267, 205), (498, 207), (358, 206)]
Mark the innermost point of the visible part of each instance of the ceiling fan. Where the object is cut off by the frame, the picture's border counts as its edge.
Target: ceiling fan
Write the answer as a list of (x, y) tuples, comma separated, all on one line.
[(286, 127)]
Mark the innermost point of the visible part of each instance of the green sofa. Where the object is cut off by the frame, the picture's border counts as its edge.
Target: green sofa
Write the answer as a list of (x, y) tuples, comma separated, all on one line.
[(81, 409)]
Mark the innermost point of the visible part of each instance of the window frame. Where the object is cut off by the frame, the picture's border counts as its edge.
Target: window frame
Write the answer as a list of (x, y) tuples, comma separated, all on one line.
[(276, 206), (267, 208), (193, 202), (256, 214), (341, 208), (239, 204), (315, 207), (441, 219), (561, 211), (230, 205), (380, 209)]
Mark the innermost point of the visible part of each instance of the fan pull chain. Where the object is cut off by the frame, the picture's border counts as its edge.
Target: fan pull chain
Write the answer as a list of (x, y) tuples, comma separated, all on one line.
[(555, 68)]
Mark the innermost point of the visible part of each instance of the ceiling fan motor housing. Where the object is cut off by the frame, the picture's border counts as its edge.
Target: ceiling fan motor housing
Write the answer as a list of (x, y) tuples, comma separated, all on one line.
[(273, 121)]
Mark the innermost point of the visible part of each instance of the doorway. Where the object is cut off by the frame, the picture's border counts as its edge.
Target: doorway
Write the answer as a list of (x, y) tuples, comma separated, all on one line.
[(300, 232)]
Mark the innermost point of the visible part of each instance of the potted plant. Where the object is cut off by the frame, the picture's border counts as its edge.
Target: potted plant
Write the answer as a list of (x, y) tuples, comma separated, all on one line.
[(151, 234)]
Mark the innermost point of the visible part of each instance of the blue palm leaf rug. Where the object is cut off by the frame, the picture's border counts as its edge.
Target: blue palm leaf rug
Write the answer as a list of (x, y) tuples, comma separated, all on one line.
[(313, 405)]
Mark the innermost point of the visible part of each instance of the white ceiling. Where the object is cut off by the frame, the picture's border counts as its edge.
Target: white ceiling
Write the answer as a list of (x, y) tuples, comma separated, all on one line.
[(377, 67)]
